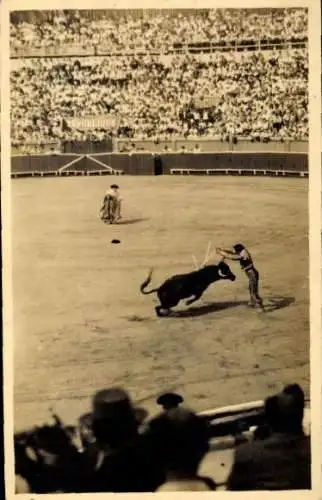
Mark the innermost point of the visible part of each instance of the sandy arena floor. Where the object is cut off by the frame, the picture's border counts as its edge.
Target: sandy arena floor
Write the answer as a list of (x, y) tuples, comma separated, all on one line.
[(81, 323)]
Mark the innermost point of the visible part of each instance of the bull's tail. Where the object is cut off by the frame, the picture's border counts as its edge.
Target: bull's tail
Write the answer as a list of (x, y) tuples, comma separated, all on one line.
[(146, 283)]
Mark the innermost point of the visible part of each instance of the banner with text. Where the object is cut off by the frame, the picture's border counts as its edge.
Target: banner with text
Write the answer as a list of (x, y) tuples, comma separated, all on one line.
[(92, 122)]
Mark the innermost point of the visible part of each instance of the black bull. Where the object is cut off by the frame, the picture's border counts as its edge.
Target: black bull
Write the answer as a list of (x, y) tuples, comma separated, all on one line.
[(183, 286)]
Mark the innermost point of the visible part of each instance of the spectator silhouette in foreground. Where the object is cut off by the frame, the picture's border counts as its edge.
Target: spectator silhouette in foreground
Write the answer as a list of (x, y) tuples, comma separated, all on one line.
[(281, 461), (170, 403), (123, 459), (180, 441), (47, 461), (169, 400)]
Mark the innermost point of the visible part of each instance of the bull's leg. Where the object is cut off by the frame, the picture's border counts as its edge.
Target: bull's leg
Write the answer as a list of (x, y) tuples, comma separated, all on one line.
[(196, 297), (158, 310), (167, 301)]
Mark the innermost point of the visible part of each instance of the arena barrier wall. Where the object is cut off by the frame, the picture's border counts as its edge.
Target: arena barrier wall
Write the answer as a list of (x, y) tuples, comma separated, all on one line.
[(228, 163)]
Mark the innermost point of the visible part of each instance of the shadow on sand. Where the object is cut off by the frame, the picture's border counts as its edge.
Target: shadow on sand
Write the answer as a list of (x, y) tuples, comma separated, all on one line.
[(126, 222), (271, 304), (206, 309), (276, 303)]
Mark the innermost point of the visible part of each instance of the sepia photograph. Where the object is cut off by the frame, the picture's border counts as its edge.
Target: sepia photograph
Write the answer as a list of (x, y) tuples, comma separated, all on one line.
[(160, 215)]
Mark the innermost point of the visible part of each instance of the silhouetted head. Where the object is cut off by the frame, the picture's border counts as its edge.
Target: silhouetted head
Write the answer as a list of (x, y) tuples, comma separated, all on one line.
[(180, 440), (169, 400), (114, 418), (238, 247), (225, 271), (285, 411)]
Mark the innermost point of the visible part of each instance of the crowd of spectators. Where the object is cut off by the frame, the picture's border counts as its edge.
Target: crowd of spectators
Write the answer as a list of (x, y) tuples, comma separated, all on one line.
[(154, 29), (117, 448), (258, 94)]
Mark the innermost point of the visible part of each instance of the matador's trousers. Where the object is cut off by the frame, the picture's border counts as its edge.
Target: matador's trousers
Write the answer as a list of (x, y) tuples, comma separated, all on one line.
[(253, 279)]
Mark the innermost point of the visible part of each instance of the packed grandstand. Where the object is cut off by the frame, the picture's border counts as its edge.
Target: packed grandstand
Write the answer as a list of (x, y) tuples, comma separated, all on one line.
[(159, 75)]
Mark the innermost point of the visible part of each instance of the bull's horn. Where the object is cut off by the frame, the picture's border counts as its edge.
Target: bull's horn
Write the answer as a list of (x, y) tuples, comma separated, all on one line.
[(208, 254), (195, 263)]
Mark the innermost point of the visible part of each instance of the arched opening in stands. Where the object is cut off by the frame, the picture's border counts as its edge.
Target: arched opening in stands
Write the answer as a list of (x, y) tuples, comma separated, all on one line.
[(158, 165)]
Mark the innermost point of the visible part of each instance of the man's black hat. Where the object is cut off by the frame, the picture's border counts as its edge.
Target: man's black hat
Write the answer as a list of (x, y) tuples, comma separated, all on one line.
[(113, 404), (238, 247), (170, 399)]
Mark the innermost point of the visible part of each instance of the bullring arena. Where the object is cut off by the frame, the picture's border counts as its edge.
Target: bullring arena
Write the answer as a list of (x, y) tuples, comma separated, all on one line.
[(80, 321), (220, 170)]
